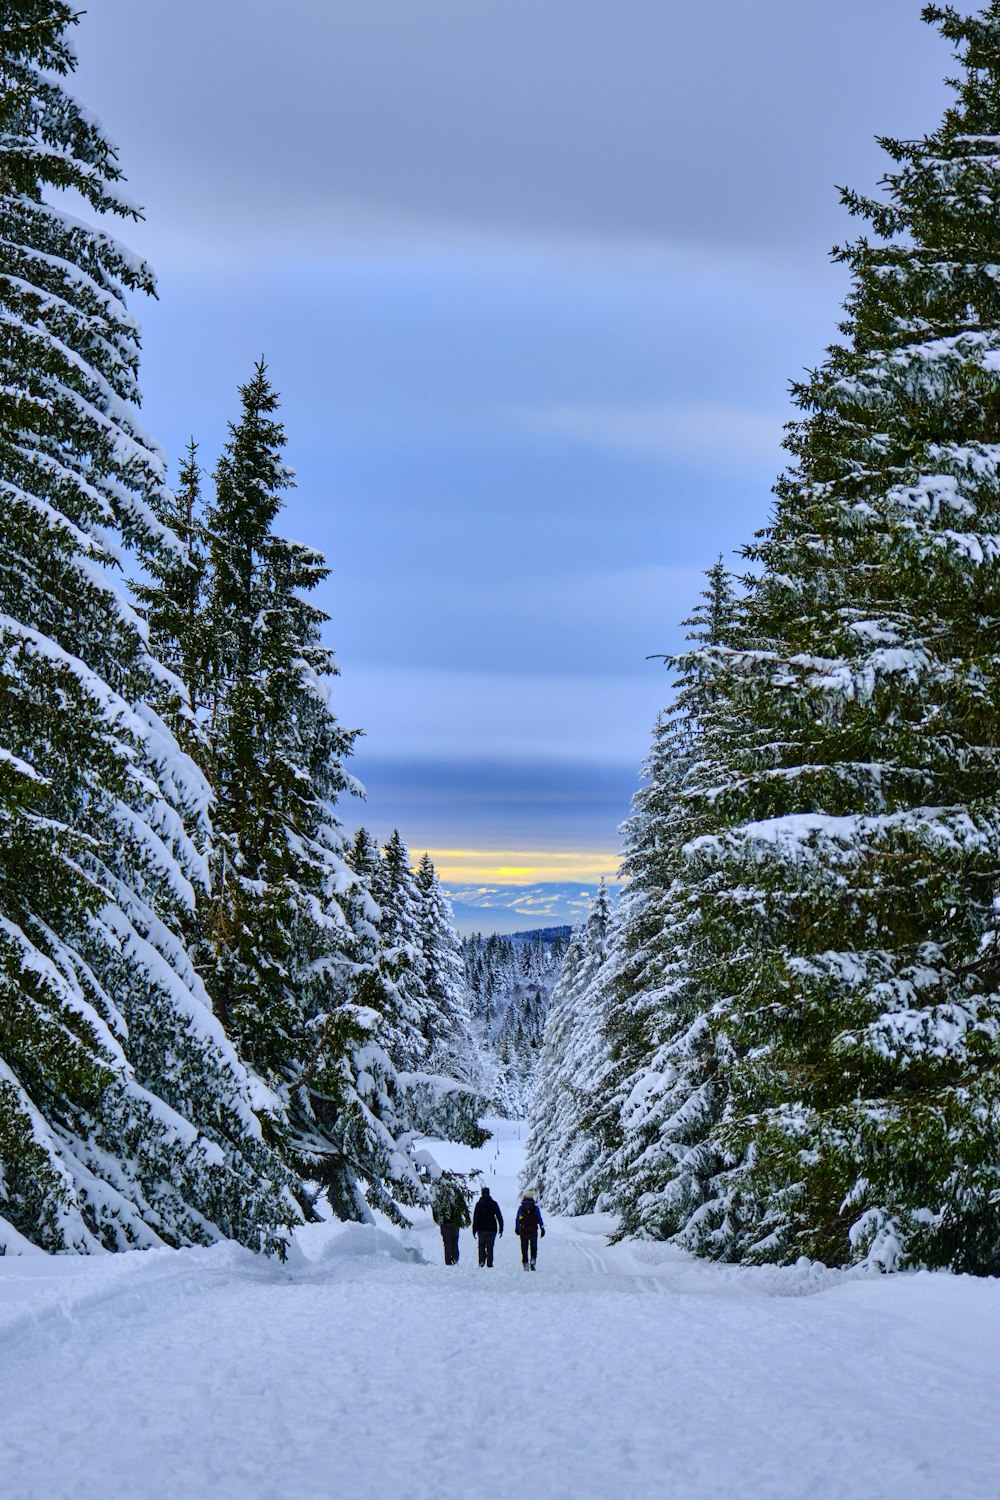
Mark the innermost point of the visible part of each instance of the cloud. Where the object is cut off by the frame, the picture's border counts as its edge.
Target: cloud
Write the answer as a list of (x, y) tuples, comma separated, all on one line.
[(557, 809), (640, 120), (707, 433), (555, 623), (457, 716)]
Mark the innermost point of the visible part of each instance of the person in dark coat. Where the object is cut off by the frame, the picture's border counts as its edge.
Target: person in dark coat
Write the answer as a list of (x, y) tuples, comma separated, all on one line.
[(528, 1225), (487, 1223), (451, 1213)]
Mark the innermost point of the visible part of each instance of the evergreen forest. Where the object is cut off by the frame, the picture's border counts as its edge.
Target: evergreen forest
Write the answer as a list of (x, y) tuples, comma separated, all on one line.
[(222, 1014)]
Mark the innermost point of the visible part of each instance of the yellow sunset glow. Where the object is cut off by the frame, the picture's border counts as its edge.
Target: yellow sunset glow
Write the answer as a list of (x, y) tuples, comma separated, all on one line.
[(520, 866)]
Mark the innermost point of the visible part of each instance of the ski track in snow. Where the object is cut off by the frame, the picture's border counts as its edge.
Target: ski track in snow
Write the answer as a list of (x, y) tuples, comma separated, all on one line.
[(357, 1372)]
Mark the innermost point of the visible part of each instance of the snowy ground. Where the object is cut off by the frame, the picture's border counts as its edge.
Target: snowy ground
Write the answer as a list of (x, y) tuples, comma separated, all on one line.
[(359, 1372)]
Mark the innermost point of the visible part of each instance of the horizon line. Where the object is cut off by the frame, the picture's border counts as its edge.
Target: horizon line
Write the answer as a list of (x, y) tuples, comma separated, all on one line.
[(522, 867)]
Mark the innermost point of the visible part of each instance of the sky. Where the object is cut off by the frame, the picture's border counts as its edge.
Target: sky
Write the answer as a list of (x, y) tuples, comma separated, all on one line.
[(532, 280)]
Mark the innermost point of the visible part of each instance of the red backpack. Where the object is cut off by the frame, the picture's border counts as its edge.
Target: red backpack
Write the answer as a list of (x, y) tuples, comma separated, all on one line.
[(528, 1217)]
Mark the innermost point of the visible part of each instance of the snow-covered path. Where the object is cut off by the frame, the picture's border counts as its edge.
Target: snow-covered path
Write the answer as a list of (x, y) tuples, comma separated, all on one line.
[(358, 1372)]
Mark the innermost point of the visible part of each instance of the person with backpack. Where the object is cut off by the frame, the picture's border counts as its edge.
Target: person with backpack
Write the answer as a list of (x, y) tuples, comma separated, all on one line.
[(487, 1223), (451, 1213), (528, 1225)]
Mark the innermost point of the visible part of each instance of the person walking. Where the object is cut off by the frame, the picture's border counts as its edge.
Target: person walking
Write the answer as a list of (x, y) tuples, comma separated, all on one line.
[(451, 1214), (528, 1225), (487, 1223)]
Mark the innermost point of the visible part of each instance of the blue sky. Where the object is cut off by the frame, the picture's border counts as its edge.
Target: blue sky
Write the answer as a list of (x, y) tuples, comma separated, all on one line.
[(532, 280)]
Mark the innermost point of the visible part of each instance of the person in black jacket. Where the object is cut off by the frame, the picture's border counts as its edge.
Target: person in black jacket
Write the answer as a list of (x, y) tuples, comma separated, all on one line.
[(528, 1225), (487, 1223)]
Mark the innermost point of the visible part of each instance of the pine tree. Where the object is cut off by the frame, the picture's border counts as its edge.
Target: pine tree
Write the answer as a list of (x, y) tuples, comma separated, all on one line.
[(448, 1025), (431, 1047), (382, 1107), (258, 625), (367, 1161), (174, 598), (564, 1160), (848, 889), (126, 1118), (399, 903), (667, 1086), (287, 935)]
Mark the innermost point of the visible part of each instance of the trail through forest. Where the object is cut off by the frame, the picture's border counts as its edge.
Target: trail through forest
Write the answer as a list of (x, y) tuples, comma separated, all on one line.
[(365, 1368)]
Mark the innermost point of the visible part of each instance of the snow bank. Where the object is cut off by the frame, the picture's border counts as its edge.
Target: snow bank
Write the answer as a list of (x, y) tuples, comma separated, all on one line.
[(367, 1239)]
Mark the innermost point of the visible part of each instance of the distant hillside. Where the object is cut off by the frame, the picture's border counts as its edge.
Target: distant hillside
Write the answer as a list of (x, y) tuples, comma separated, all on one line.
[(552, 935)]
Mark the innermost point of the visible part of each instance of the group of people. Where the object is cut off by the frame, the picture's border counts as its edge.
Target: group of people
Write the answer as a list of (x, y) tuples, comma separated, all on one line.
[(451, 1214)]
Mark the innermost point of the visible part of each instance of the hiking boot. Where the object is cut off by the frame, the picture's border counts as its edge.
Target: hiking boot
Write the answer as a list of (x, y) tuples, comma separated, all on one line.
[(532, 1265)]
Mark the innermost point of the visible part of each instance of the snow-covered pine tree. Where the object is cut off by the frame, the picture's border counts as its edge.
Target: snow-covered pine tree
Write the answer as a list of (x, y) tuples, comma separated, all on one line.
[(126, 1118), (366, 859), (448, 1025), (563, 1156), (286, 934), (667, 1087), (173, 596), (430, 1012), (364, 1130), (258, 625), (363, 1127), (474, 960), (381, 1106), (849, 892), (399, 904)]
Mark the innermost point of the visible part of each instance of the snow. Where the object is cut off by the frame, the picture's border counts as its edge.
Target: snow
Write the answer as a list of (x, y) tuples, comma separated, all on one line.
[(365, 1367), (845, 836)]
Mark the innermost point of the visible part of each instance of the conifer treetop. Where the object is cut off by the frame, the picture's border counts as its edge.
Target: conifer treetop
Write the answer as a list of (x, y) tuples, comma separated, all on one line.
[(51, 140)]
